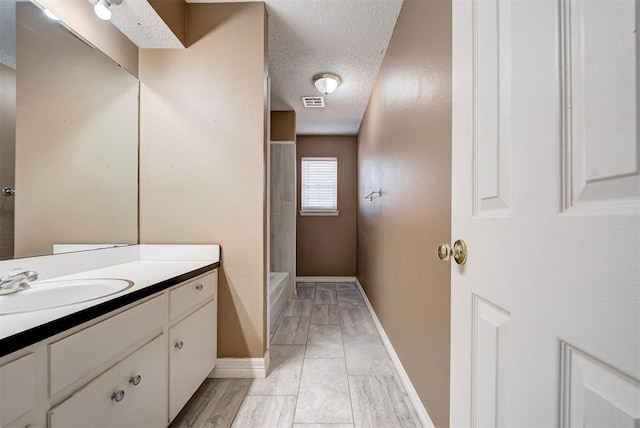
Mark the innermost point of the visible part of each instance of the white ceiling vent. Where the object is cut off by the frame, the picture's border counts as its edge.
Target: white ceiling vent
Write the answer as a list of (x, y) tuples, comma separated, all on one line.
[(313, 101)]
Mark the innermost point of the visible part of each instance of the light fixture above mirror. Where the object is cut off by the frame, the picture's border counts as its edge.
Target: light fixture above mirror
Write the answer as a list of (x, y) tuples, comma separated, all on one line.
[(326, 83), (51, 15), (103, 8)]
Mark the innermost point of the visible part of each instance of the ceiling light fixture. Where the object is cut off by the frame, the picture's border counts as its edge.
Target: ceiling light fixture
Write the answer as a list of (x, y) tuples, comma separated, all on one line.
[(326, 82), (51, 15), (103, 8)]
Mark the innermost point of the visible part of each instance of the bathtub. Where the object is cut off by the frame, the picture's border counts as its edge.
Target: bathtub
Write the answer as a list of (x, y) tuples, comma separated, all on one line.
[(278, 296)]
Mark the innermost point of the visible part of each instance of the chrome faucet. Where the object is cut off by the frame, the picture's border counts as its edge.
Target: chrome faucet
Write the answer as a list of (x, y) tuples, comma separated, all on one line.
[(13, 283)]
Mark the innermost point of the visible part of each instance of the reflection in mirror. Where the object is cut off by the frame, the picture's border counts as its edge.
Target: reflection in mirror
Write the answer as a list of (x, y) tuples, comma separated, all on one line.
[(75, 139), (7, 123)]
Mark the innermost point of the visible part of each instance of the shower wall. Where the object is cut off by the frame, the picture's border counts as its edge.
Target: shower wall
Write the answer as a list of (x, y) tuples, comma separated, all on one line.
[(283, 210)]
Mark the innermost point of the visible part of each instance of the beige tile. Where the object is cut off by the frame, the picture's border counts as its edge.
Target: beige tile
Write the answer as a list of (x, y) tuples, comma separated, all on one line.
[(265, 412), (214, 404), (291, 331), (306, 290), (349, 298), (347, 286), (325, 341), (325, 294), (325, 315), (324, 393), (284, 372), (366, 355), (357, 321), (277, 242), (298, 308), (322, 425), (380, 401), (289, 172), (276, 180), (289, 241)]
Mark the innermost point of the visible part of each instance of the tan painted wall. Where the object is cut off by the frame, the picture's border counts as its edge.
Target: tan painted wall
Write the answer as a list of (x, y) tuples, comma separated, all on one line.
[(404, 146), (76, 141), (174, 14), (7, 157), (326, 245), (203, 151), (79, 15), (283, 126)]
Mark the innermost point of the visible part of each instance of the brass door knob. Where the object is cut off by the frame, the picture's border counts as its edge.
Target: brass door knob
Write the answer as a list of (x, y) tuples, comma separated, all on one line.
[(458, 251)]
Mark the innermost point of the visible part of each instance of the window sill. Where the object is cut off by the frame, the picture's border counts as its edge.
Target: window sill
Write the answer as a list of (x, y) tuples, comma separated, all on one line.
[(319, 213)]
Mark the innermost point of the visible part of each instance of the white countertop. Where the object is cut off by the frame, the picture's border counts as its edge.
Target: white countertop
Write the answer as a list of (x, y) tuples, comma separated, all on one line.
[(145, 265)]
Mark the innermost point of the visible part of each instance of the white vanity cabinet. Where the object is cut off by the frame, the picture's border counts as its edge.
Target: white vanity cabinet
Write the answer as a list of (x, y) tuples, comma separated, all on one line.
[(17, 388), (135, 367), (192, 355), (186, 297), (133, 393), (74, 356)]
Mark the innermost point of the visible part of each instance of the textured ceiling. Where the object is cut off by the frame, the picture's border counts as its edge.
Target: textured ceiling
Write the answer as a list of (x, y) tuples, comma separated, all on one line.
[(142, 25), (8, 33), (306, 37), (345, 37)]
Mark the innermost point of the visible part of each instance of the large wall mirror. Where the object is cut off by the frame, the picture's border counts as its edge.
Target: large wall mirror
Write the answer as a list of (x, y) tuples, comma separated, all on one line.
[(68, 138)]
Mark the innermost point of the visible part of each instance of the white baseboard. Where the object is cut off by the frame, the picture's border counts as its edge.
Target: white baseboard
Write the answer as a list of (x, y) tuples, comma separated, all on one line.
[(326, 279), (244, 368), (404, 377)]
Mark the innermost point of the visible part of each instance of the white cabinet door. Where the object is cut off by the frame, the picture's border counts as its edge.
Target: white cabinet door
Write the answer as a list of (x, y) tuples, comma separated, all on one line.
[(118, 397), (17, 388), (546, 311), (192, 355)]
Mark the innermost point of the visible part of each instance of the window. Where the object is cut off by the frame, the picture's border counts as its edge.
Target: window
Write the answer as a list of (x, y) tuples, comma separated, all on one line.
[(319, 186)]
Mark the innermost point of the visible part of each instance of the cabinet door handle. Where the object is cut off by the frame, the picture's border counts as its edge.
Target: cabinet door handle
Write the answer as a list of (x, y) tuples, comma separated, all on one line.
[(118, 396), (199, 287), (135, 380), (179, 345)]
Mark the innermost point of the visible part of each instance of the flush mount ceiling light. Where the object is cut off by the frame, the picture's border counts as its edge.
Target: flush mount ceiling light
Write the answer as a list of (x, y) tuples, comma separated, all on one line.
[(102, 8), (326, 82)]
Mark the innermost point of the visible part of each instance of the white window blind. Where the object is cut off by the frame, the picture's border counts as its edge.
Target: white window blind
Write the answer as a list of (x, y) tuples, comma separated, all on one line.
[(320, 184)]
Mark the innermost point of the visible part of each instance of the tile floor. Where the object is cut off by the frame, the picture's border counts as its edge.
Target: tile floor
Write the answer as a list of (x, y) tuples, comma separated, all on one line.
[(329, 369)]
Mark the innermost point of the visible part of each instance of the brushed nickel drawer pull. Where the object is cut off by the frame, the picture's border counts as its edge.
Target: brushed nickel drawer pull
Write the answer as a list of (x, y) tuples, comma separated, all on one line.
[(118, 396)]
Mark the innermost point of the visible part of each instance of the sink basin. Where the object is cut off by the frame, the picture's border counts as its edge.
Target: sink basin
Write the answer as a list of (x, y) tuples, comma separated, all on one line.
[(53, 294)]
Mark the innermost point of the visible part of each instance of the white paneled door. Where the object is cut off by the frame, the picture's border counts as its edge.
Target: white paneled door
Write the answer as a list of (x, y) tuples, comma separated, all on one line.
[(546, 194)]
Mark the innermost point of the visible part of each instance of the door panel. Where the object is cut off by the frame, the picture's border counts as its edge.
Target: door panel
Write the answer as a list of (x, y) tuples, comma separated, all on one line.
[(491, 127), (490, 340), (595, 394), (556, 266), (600, 105)]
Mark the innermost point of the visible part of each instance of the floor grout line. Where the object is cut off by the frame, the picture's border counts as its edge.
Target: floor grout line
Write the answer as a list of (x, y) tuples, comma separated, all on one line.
[(295, 410), (346, 367)]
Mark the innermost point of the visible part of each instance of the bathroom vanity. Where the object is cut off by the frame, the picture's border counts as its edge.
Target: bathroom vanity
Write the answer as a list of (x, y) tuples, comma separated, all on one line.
[(128, 359)]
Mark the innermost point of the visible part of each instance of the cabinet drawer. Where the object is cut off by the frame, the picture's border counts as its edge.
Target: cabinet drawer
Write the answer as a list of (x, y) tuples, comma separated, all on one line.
[(17, 388), (192, 355), (79, 354), (189, 295), (141, 405)]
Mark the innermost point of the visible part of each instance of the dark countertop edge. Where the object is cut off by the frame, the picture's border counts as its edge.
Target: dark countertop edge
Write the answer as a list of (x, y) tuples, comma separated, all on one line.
[(36, 334)]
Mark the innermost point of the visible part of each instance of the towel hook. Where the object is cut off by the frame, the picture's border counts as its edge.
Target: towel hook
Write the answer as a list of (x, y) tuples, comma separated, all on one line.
[(372, 194)]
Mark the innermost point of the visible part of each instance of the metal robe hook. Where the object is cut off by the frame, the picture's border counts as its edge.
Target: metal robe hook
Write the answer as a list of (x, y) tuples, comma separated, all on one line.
[(371, 195)]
